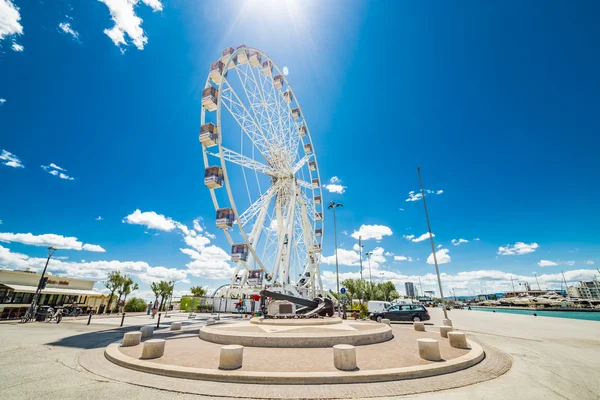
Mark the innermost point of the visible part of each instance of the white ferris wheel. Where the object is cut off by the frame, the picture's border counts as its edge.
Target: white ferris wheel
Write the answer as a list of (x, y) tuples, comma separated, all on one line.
[(262, 172)]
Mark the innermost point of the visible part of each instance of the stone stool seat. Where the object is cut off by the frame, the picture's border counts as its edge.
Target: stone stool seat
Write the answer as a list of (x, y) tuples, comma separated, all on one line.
[(447, 322), (444, 330), (175, 326), (147, 331), (131, 339), (344, 357), (419, 326), (153, 348), (231, 357), (458, 340), (386, 321), (429, 349)]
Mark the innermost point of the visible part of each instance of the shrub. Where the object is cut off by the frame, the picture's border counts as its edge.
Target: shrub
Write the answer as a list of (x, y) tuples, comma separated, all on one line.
[(135, 304)]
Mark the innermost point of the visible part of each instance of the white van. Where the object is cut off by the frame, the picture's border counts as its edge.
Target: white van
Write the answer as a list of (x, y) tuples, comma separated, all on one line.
[(377, 306)]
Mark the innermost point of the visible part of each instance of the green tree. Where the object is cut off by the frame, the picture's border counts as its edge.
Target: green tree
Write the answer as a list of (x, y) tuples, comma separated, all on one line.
[(135, 304), (128, 286), (155, 287), (166, 289), (198, 291), (113, 282)]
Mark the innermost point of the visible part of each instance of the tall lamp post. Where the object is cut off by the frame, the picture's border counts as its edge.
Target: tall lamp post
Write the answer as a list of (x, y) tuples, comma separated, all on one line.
[(332, 206), (437, 269), (170, 299), (369, 254), (41, 284)]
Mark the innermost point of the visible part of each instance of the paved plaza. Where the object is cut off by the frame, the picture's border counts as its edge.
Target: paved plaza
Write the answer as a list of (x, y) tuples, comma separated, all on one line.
[(553, 358)]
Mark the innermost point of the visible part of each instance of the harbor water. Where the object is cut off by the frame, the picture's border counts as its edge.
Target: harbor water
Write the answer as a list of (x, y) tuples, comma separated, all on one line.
[(588, 315)]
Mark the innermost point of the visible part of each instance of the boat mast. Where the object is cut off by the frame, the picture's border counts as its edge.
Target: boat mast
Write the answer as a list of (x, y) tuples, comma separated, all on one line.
[(566, 287), (538, 283)]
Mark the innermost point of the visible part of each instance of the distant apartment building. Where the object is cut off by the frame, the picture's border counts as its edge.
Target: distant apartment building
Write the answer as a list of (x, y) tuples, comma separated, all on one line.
[(585, 290), (410, 289)]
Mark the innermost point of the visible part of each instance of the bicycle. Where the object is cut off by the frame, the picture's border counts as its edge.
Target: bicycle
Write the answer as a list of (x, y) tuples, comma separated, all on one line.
[(29, 315)]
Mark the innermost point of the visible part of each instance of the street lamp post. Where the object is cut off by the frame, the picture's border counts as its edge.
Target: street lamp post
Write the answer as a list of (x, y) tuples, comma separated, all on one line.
[(362, 297), (369, 254), (170, 299), (41, 284), (332, 206)]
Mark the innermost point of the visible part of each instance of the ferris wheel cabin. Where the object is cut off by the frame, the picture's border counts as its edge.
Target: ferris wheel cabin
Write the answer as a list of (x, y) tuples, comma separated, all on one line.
[(239, 252), (296, 113), (278, 81), (288, 96), (317, 248), (315, 183), (267, 67), (312, 165), (255, 58), (209, 98), (242, 57), (319, 232), (216, 69), (302, 131), (317, 199), (209, 135), (226, 54), (319, 216), (213, 177), (308, 148), (225, 218)]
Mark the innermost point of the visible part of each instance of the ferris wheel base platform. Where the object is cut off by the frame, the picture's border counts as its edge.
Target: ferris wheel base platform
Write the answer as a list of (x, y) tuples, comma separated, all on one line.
[(297, 333)]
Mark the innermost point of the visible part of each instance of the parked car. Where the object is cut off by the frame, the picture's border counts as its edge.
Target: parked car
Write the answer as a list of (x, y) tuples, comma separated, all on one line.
[(402, 312)]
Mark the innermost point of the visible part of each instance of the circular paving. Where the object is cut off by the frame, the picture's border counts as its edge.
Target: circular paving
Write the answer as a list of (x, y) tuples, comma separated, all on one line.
[(294, 333)]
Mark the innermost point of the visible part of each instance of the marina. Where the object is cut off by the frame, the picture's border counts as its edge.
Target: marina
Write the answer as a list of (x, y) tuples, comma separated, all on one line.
[(585, 314)]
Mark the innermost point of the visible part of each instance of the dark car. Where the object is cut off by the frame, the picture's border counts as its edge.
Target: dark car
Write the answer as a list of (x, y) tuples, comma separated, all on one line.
[(402, 312)]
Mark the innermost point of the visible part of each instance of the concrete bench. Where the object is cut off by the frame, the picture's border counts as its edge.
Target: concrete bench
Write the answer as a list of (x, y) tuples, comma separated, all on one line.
[(153, 348), (458, 340), (231, 356), (444, 330), (344, 357), (419, 326), (175, 326), (429, 349), (447, 322), (147, 331), (386, 321), (131, 339)]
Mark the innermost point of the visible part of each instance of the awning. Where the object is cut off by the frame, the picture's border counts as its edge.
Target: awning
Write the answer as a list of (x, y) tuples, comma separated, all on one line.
[(51, 290)]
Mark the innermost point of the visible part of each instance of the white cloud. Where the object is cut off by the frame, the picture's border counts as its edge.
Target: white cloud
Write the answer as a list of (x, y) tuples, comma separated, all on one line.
[(93, 247), (2, 101), (197, 225), (476, 239), (518, 248), (211, 263), (17, 47), (442, 257), (285, 71), (389, 254), (458, 242), (352, 258), (547, 263), (401, 209), (151, 220), (376, 232), (439, 246), (47, 240), (421, 238), (569, 263), (54, 169), (66, 28), (99, 218), (415, 196), (589, 262), (403, 258), (127, 22), (92, 270), (10, 159), (9, 19), (335, 186), (356, 247)]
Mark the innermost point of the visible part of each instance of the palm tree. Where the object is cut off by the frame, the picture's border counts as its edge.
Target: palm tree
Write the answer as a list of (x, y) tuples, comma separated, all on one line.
[(128, 286), (198, 291), (113, 282), (156, 290), (165, 290)]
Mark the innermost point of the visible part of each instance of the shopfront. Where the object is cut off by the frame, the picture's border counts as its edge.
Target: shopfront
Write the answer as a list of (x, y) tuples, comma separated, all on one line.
[(17, 289)]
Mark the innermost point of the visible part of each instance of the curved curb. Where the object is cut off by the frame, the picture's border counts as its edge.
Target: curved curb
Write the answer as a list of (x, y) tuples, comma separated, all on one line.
[(380, 333), (476, 354)]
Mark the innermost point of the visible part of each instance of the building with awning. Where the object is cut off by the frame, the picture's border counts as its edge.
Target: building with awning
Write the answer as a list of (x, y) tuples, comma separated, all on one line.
[(17, 289)]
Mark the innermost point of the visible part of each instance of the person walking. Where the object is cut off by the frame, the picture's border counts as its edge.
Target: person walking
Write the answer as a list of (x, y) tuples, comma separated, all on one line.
[(155, 308), (149, 309)]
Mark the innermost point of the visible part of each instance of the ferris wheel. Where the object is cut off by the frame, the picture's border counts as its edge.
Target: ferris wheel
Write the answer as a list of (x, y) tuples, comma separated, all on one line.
[(262, 172)]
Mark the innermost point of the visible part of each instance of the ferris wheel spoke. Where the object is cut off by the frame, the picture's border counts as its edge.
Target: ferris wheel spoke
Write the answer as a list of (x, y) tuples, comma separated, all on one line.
[(262, 201), (240, 113), (246, 162), (304, 184), (301, 163)]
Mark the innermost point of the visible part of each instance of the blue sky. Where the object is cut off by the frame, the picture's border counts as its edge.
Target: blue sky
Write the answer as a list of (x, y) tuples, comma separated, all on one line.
[(497, 103)]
